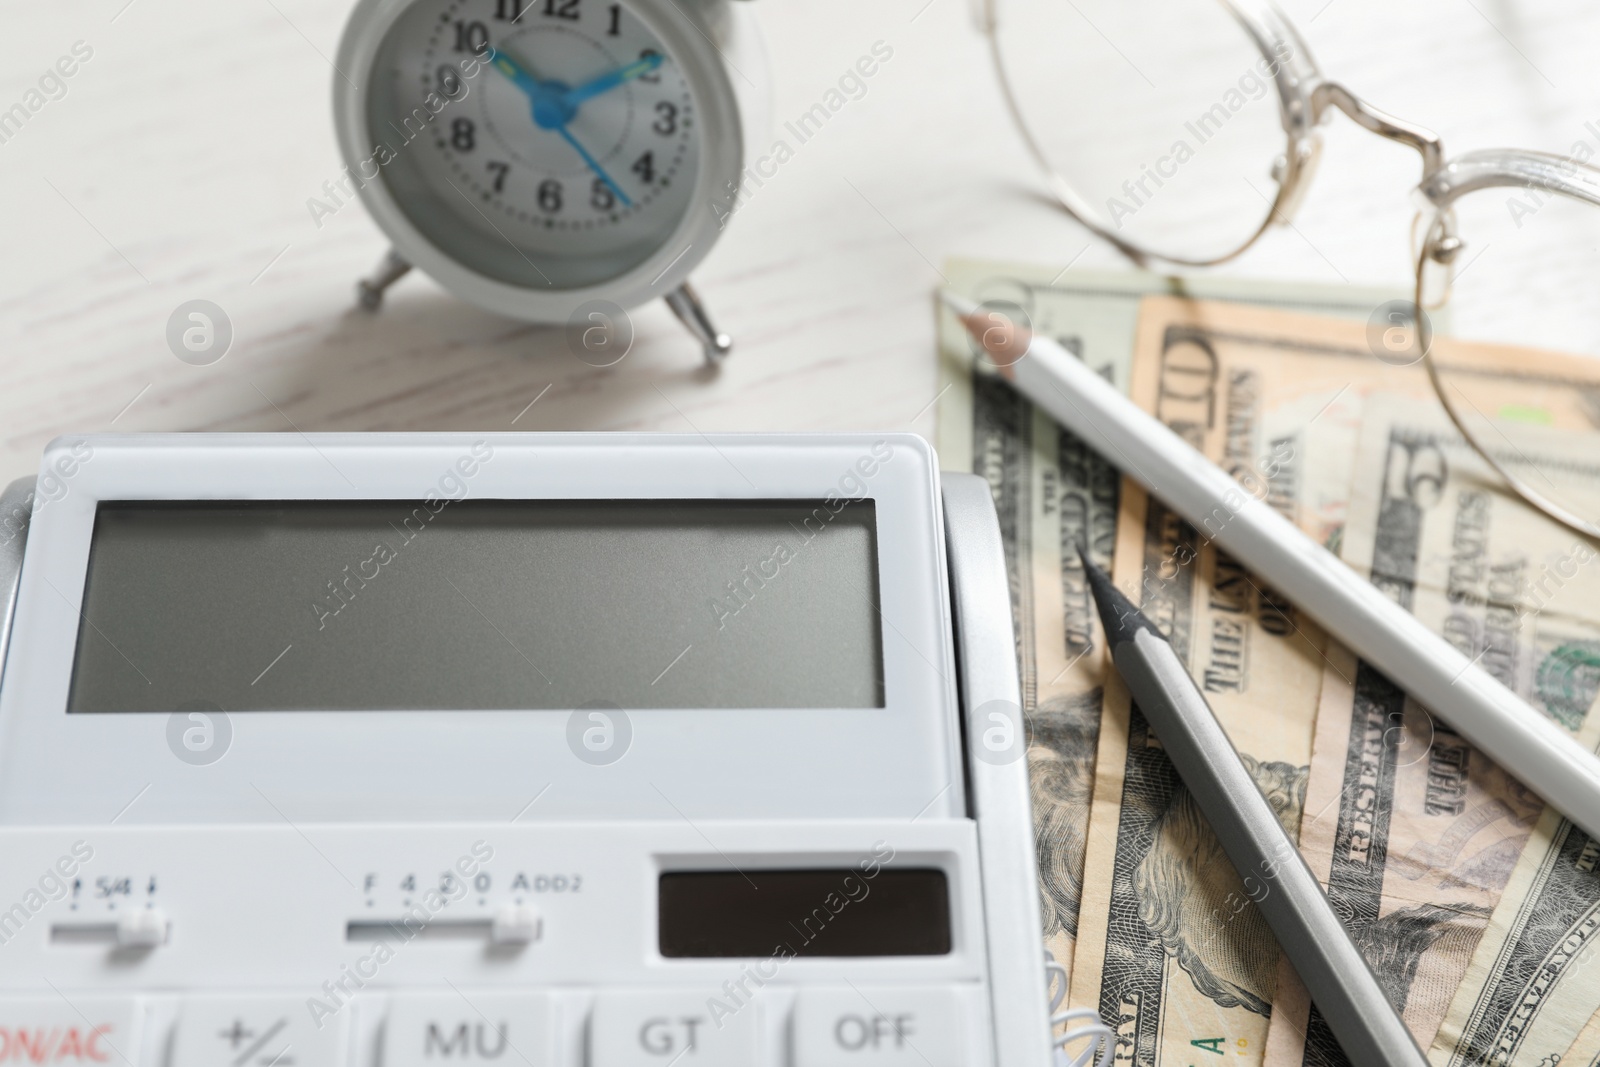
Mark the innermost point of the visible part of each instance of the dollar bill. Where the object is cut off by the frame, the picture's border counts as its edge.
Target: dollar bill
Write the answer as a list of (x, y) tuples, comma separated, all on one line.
[(1533, 981), (1585, 1050), (1171, 951), (1413, 833), (1535, 977), (1169, 946), (1052, 494)]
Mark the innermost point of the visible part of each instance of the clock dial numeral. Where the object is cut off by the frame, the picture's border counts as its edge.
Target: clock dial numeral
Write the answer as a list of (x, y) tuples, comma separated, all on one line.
[(601, 198), (654, 76), (638, 140), (666, 123), (550, 196), (449, 81), (472, 37), (645, 167)]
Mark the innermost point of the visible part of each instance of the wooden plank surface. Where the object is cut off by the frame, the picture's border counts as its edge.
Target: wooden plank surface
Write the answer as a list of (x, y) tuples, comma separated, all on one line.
[(180, 160)]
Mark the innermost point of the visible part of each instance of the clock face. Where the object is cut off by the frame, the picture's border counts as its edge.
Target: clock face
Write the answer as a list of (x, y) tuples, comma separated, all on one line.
[(551, 144)]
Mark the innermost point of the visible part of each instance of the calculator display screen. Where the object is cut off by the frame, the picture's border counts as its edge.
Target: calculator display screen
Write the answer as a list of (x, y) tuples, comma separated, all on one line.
[(479, 605), (866, 910)]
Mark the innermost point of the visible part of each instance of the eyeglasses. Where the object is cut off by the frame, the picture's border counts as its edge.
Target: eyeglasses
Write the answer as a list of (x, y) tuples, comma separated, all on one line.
[(1182, 132)]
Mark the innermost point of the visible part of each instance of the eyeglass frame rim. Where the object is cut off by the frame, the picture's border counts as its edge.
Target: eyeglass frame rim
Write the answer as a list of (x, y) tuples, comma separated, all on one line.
[(1305, 98), (1436, 196)]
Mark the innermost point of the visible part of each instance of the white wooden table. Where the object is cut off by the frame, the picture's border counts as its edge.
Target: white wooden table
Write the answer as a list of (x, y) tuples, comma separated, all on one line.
[(179, 164)]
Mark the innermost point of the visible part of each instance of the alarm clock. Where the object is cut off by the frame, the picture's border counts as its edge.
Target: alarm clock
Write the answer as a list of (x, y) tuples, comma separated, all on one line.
[(566, 750), (551, 160)]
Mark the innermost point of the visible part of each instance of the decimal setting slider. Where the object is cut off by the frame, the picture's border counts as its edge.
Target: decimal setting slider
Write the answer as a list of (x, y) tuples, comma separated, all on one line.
[(512, 925)]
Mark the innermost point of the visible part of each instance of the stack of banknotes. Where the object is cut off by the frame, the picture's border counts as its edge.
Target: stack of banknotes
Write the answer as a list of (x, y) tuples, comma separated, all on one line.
[(1478, 908)]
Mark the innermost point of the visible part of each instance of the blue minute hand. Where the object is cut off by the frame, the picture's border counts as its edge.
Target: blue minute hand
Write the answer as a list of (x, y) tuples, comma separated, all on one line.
[(552, 110), (613, 78), (594, 165), (513, 70)]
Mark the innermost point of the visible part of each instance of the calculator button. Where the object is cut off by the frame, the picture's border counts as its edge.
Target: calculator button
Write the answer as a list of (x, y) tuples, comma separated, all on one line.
[(258, 1032), (880, 1027), (473, 1027), (651, 1029), (83, 1033)]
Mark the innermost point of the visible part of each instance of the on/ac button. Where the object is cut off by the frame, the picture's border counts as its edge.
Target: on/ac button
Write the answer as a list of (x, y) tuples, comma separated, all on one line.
[(81, 1034)]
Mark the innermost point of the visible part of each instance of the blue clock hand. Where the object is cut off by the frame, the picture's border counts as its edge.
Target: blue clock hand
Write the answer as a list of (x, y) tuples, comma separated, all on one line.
[(594, 165), (513, 70), (552, 110), (612, 78)]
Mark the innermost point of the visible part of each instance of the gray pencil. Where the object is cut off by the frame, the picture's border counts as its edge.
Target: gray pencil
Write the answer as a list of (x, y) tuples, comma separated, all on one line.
[(1275, 877)]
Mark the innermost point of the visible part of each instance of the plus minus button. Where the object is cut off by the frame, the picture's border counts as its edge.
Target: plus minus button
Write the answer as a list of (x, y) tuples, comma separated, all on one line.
[(236, 1034)]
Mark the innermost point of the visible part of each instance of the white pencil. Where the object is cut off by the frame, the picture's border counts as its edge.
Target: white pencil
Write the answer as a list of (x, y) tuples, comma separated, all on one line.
[(1542, 755)]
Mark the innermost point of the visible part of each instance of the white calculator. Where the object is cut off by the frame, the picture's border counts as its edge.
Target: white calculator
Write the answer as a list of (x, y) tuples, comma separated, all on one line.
[(534, 750)]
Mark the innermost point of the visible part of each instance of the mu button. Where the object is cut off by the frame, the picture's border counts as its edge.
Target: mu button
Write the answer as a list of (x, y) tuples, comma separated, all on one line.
[(471, 1028)]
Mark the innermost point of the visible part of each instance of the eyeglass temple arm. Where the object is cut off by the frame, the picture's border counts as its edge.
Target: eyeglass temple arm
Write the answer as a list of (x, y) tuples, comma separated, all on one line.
[(1425, 141)]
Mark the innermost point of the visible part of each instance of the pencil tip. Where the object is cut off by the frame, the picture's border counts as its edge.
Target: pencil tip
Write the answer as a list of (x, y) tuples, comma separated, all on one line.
[(1003, 341), (1121, 619)]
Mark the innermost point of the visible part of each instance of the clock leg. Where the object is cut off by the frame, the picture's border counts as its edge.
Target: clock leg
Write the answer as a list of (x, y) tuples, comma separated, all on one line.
[(369, 290), (685, 304)]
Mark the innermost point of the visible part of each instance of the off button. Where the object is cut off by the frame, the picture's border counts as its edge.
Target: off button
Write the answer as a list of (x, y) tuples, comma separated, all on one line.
[(880, 1027)]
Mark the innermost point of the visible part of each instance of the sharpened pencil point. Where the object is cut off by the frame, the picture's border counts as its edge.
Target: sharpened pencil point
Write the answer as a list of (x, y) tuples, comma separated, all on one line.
[(1118, 614), (1002, 340)]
